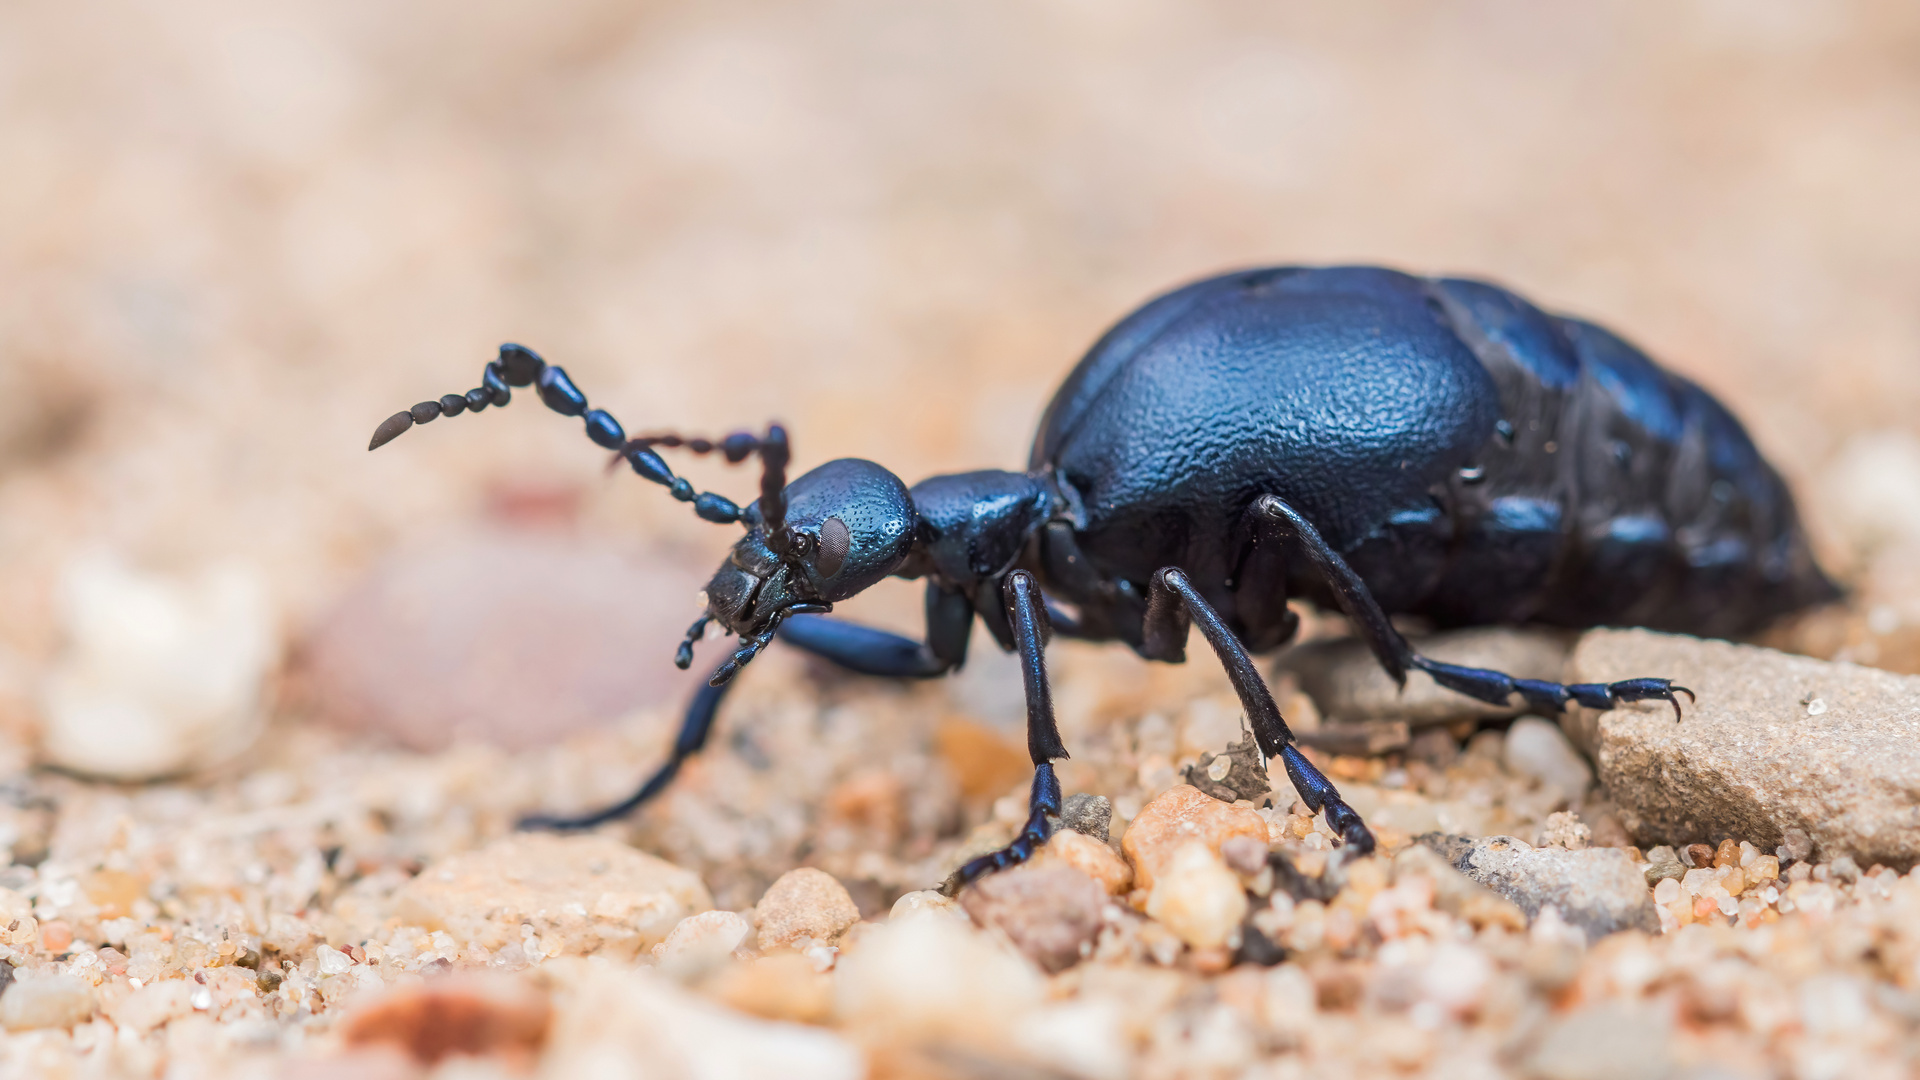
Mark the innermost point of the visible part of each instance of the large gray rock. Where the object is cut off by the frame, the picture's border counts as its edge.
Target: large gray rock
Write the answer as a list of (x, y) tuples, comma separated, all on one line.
[(1774, 743), (1599, 890), (1348, 685)]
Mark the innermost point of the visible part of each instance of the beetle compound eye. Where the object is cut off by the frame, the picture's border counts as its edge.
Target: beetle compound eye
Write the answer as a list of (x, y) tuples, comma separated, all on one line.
[(835, 540)]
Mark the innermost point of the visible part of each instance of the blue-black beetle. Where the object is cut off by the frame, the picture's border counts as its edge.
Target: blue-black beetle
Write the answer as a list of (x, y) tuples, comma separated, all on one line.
[(1354, 436)]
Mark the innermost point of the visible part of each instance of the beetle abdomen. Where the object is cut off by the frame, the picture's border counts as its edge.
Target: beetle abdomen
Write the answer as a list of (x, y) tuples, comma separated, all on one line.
[(1624, 493)]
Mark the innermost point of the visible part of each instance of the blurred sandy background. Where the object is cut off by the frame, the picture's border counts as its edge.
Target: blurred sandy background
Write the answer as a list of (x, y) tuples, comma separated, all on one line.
[(234, 236)]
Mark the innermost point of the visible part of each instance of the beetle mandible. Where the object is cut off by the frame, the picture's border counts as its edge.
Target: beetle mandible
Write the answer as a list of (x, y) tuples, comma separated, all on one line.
[(1358, 437)]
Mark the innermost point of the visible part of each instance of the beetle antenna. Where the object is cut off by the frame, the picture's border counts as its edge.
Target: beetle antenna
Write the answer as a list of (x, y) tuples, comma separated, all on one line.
[(518, 365), (774, 452)]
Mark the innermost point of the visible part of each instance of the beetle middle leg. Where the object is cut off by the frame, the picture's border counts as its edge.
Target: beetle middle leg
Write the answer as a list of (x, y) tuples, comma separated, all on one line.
[(1043, 735), (1397, 656), (1172, 605)]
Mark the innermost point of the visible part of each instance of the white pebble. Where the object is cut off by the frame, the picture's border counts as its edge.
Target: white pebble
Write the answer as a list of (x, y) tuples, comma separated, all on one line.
[(926, 902), (1816, 706), (932, 979), (1539, 749), (703, 940), (331, 961), (1667, 891), (160, 674), (45, 1002), (1198, 898)]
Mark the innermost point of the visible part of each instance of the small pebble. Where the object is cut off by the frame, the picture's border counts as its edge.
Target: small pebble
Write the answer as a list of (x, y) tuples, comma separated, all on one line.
[(1180, 815), (784, 986), (1538, 749), (1564, 829), (1199, 898), (805, 906), (161, 674), (1049, 912), (1088, 814), (1091, 857), (934, 979), (699, 942), (926, 902), (151, 1006), (56, 936), (46, 1001)]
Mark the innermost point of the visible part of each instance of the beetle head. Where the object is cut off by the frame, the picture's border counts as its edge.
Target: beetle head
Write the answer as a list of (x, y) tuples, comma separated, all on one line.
[(848, 524)]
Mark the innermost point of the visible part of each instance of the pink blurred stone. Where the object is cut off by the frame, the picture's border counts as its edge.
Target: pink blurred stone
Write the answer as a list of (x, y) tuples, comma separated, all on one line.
[(512, 636)]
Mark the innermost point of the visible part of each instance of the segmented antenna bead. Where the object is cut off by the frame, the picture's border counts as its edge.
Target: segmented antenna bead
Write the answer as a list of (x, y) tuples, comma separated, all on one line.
[(559, 393), (681, 489), (603, 429), (496, 382), (519, 364), (425, 411), (453, 405), (737, 446), (479, 398), (649, 464), (716, 508), (390, 429)]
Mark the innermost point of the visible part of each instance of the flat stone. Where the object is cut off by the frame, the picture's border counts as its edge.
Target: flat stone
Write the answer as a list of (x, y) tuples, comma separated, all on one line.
[(1181, 814), (804, 904), (1349, 686), (510, 636), (581, 894), (1599, 890), (1775, 745), (1049, 911)]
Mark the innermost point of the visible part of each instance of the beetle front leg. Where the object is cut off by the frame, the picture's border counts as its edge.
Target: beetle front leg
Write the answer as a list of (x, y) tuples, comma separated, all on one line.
[(871, 651), (1043, 736), (694, 730), (1172, 604)]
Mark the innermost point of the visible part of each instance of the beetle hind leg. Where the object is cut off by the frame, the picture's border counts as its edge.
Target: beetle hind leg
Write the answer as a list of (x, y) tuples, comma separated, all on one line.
[(1397, 656)]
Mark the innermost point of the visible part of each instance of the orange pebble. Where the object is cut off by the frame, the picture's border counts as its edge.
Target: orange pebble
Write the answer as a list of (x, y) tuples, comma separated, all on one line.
[(56, 936)]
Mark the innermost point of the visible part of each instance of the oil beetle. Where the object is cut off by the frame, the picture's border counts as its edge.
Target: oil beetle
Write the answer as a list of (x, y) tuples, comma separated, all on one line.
[(1354, 436)]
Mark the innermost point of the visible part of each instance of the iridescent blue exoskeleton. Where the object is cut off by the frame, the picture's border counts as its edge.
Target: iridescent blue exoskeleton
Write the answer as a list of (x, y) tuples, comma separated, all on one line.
[(1353, 436)]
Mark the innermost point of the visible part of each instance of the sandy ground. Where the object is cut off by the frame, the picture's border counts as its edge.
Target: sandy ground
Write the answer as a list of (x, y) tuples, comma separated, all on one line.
[(237, 236)]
